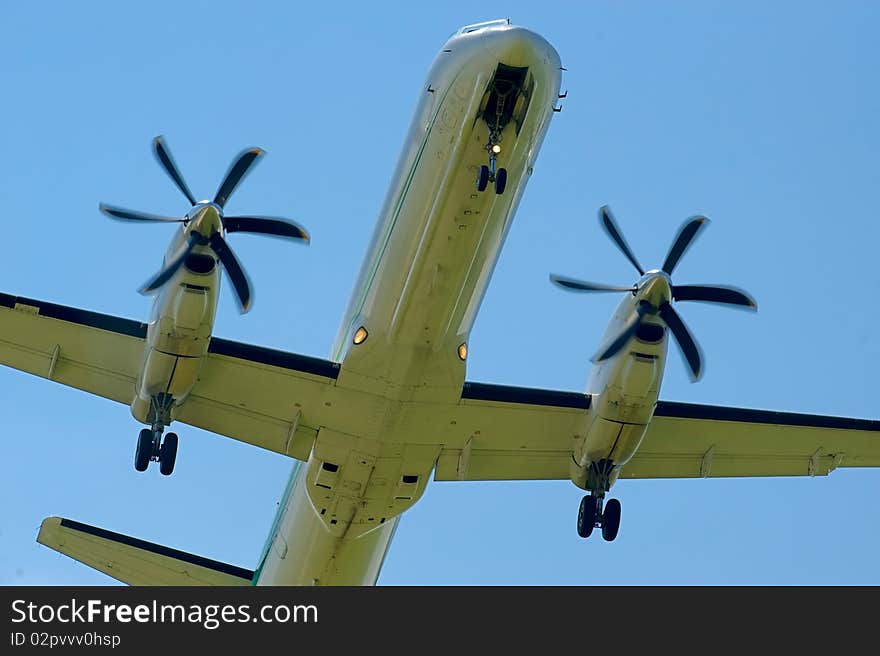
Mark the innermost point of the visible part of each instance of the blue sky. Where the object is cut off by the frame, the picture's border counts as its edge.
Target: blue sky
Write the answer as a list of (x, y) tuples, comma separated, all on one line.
[(762, 116)]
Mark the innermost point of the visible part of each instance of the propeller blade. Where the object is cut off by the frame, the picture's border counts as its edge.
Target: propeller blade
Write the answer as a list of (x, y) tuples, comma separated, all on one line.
[(611, 348), (686, 343), (164, 157), (714, 294), (134, 215), (234, 271), (613, 231), (583, 286), (682, 242), (265, 225), (236, 174), (172, 265)]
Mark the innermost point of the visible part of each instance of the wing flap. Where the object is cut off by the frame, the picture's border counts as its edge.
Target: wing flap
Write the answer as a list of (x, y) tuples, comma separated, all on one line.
[(498, 465), (516, 433), (134, 561), (261, 396)]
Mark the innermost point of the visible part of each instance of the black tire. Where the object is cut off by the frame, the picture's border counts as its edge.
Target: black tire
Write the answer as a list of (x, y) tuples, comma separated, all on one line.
[(611, 520), (500, 181), (144, 450), (168, 454), (483, 178), (586, 516)]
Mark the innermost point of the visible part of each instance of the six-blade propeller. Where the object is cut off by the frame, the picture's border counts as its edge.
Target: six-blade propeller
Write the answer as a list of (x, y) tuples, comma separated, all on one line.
[(206, 224), (661, 279)]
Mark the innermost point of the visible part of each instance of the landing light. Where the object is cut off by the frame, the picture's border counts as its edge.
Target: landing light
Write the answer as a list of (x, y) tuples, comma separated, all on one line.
[(496, 149), (360, 336), (462, 350)]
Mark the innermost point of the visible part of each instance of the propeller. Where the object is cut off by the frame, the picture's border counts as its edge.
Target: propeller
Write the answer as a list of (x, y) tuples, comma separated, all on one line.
[(206, 225), (656, 293)]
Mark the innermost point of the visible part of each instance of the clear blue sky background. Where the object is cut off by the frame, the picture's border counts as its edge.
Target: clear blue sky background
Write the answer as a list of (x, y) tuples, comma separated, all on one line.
[(762, 116)]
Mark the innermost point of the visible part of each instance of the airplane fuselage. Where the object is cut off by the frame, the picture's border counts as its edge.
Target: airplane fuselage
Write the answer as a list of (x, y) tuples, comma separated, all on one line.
[(404, 335)]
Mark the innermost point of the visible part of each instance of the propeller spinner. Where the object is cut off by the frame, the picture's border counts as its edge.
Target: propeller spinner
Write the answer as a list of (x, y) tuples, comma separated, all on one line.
[(658, 293), (206, 225)]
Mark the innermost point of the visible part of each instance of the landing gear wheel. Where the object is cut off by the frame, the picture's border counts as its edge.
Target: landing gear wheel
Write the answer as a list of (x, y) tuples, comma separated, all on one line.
[(586, 516), (500, 181), (144, 450), (168, 454), (483, 178), (611, 520)]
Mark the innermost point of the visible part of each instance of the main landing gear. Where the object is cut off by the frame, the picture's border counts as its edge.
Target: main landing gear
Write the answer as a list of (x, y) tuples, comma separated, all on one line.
[(591, 513), (151, 446)]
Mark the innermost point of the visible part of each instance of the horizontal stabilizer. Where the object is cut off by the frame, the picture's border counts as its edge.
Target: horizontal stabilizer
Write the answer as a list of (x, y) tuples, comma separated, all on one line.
[(134, 561)]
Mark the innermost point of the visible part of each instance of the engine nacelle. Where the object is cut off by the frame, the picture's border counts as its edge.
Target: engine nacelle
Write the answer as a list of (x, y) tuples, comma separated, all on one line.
[(624, 394), (178, 337), (607, 440)]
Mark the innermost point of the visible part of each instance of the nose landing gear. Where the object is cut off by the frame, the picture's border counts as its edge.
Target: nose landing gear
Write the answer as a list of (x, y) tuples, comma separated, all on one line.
[(490, 173), (591, 513), (151, 446)]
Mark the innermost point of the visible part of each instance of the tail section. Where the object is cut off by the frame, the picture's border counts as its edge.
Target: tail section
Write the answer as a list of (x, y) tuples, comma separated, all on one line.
[(134, 561)]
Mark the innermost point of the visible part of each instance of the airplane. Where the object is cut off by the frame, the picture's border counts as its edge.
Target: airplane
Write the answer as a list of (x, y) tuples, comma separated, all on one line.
[(392, 408)]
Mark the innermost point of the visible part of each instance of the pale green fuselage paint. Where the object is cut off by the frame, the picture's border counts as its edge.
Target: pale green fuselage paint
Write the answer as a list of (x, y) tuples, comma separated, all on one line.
[(425, 273)]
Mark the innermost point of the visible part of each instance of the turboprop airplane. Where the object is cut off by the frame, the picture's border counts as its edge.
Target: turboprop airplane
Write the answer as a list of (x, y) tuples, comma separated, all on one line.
[(391, 408)]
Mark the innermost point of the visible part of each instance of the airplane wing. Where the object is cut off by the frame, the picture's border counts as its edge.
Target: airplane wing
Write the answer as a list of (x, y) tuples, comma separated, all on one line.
[(686, 440), (278, 401), (268, 398), (528, 434), (90, 351), (257, 395), (512, 433)]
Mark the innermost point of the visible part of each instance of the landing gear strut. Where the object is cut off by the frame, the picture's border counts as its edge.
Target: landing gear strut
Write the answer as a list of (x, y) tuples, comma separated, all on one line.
[(491, 173), (591, 513), (151, 446)]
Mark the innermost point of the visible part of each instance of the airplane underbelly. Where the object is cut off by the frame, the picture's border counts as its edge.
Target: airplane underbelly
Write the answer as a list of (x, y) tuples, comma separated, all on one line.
[(439, 238), (302, 551), (430, 259)]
